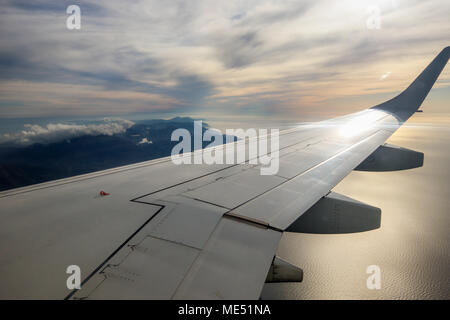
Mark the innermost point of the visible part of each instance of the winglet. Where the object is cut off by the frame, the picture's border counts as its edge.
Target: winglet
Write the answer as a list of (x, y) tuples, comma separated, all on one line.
[(409, 101)]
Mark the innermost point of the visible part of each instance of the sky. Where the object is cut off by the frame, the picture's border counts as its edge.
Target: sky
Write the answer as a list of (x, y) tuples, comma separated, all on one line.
[(238, 60)]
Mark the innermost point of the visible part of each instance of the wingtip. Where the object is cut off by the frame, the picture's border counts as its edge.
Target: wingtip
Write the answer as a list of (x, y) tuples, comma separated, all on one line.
[(446, 50), (410, 99)]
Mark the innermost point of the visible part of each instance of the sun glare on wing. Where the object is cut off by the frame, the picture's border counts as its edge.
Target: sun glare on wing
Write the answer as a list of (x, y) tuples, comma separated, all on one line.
[(360, 124)]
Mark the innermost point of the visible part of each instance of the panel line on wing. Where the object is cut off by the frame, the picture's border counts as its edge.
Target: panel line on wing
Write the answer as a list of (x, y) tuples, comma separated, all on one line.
[(161, 207)]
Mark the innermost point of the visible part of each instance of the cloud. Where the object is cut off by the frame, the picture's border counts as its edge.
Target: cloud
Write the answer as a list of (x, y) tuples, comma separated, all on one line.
[(385, 75), (207, 56), (52, 6), (145, 141), (54, 132)]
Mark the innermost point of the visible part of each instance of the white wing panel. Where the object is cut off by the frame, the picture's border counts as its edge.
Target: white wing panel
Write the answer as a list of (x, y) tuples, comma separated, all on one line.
[(38, 244), (284, 204), (234, 263), (152, 270), (188, 251), (232, 191)]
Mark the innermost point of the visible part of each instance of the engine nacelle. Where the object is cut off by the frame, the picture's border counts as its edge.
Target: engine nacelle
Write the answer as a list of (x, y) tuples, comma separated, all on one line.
[(335, 214), (391, 158), (283, 271)]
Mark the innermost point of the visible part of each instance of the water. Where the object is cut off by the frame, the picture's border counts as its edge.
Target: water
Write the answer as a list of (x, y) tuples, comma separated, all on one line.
[(411, 247)]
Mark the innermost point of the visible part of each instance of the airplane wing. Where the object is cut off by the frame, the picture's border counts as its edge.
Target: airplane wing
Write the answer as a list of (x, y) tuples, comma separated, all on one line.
[(166, 231)]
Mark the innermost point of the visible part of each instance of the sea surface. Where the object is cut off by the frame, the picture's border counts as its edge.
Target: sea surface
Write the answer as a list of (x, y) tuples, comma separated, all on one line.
[(412, 246)]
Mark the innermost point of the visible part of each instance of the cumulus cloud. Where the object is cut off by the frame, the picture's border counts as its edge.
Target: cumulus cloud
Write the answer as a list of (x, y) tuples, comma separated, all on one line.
[(145, 141), (54, 132)]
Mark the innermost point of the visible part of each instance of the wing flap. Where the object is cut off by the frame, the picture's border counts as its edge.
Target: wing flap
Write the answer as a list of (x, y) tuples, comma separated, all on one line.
[(234, 263), (189, 251)]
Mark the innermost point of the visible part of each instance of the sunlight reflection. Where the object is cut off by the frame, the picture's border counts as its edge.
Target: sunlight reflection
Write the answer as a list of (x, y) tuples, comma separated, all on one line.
[(360, 124)]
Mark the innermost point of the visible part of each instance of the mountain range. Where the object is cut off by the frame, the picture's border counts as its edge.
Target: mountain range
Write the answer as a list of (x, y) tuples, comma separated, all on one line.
[(22, 165)]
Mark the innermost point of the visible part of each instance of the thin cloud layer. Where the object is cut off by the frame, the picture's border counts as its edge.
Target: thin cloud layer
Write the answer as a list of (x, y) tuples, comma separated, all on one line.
[(256, 57), (54, 132)]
